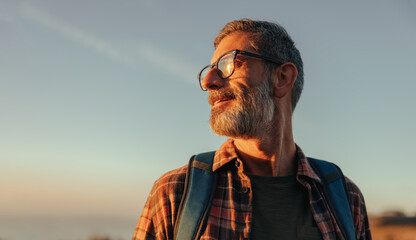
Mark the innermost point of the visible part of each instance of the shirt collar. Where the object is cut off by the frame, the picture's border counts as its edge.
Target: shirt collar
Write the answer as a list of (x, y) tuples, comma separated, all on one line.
[(227, 153), (304, 168)]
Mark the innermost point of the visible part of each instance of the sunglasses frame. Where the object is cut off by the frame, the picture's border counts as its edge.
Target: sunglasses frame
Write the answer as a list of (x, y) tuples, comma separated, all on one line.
[(234, 52)]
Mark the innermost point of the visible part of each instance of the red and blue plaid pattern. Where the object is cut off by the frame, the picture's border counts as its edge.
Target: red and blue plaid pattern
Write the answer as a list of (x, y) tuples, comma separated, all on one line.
[(231, 212)]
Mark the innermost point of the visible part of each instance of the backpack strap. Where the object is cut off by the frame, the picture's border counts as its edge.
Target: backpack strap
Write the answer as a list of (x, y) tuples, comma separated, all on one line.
[(335, 191), (200, 184)]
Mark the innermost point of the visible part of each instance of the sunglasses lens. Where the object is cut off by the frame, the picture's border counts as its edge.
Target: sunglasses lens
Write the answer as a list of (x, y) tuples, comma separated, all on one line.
[(225, 65)]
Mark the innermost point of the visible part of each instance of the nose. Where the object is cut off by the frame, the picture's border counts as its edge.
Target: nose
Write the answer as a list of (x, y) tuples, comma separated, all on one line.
[(212, 81)]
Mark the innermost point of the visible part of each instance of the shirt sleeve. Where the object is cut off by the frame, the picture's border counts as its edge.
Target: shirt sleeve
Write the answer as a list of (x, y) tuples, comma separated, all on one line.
[(159, 213), (146, 227), (359, 211)]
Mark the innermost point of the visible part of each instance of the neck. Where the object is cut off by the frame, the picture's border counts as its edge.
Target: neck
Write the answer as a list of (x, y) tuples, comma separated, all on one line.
[(272, 153)]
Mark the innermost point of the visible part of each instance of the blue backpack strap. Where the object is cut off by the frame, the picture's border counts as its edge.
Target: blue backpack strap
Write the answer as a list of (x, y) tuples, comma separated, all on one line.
[(200, 184), (335, 192)]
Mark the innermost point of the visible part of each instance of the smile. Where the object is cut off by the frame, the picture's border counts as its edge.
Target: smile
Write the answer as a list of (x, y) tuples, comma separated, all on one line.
[(220, 97), (222, 100)]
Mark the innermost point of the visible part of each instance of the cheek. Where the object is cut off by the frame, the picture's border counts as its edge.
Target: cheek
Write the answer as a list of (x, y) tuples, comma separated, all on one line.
[(254, 77)]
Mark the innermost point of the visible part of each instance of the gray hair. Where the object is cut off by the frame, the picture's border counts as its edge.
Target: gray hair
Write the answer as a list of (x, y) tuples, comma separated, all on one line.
[(272, 40)]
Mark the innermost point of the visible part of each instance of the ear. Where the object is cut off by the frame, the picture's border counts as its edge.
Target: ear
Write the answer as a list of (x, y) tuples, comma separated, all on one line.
[(285, 77)]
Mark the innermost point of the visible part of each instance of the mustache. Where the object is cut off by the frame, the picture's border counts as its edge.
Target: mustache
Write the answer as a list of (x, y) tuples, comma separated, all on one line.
[(220, 94)]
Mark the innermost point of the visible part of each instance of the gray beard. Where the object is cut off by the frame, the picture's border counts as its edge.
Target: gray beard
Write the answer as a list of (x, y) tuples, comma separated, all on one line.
[(251, 115)]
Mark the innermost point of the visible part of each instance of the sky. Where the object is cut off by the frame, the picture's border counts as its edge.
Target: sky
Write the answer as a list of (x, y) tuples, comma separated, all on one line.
[(99, 98)]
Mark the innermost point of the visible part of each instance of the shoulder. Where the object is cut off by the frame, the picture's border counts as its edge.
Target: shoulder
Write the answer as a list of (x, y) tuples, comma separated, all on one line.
[(356, 198), (158, 216), (353, 191), (358, 209), (170, 183)]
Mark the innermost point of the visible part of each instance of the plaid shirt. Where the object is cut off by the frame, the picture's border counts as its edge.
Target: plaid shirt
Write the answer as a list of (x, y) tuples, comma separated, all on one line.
[(231, 211)]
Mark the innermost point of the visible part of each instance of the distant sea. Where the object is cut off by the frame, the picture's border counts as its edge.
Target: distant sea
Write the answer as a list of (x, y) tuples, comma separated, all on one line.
[(66, 228)]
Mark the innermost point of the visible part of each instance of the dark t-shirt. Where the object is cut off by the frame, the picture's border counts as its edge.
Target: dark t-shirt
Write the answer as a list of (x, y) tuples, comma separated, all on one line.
[(281, 209)]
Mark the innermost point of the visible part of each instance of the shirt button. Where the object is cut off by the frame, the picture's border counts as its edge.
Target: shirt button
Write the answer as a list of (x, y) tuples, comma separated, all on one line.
[(246, 190)]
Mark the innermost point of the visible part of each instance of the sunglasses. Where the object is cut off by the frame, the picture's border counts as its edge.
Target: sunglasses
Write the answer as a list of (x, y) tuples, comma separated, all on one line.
[(225, 64)]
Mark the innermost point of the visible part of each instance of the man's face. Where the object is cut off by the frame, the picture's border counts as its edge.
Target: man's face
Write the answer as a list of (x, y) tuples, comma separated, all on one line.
[(241, 105)]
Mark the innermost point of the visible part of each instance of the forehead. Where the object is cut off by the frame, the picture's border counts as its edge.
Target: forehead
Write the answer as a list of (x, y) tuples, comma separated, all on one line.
[(236, 40)]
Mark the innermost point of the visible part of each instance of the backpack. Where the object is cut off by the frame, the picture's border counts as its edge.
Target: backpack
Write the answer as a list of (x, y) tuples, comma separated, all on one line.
[(200, 185)]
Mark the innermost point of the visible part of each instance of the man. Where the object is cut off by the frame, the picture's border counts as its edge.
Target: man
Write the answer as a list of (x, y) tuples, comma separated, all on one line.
[(266, 188)]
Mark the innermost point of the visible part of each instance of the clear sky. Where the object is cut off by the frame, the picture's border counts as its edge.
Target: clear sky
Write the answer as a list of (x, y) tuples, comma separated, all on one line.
[(99, 98)]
